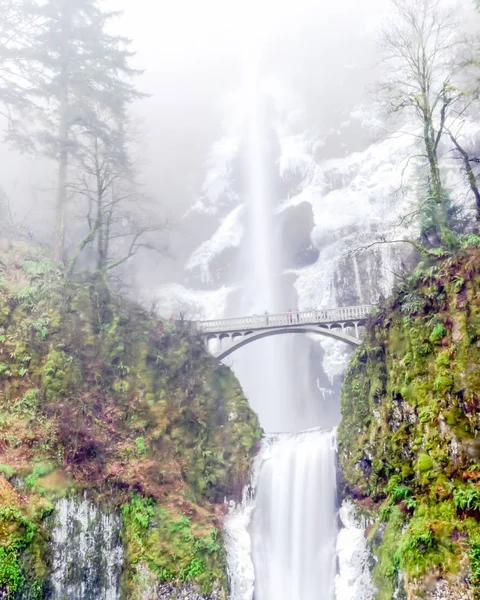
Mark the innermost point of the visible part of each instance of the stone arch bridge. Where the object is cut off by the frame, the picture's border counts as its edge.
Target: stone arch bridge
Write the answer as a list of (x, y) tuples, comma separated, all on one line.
[(342, 324)]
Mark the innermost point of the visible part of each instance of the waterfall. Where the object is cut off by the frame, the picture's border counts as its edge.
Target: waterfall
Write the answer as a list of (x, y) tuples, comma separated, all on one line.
[(87, 552), (293, 526), (281, 541)]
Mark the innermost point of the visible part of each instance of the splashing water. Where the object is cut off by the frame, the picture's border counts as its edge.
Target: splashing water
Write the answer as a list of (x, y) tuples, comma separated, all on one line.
[(293, 525)]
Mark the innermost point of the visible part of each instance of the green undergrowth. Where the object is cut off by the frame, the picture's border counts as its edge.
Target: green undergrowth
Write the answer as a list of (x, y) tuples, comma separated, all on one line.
[(24, 552), (171, 546), (408, 442), (100, 397)]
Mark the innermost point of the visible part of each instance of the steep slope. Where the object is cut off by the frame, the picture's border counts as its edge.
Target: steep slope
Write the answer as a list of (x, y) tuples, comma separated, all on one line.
[(111, 421), (408, 447)]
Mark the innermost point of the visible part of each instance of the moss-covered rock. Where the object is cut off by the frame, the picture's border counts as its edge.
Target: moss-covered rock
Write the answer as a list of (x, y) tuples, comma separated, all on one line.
[(101, 398), (408, 438)]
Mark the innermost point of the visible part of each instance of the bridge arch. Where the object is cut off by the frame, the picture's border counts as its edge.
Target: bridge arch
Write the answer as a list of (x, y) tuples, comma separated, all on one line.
[(335, 333)]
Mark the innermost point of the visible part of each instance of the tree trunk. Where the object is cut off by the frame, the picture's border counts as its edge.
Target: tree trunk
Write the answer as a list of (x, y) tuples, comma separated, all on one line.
[(472, 179), (101, 257), (59, 235), (440, 212), (100, 221), (63, 139)]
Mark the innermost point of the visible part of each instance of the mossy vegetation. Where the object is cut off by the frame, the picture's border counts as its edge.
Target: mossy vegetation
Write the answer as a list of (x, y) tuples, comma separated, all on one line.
[(171, 546), (100, 397), (24, 553), (408, 441)]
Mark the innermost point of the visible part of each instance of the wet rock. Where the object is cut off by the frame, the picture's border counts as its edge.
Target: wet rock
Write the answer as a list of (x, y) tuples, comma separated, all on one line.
[(186, 592), (87, 551), (296, 226), (445, 590), (435, 587)]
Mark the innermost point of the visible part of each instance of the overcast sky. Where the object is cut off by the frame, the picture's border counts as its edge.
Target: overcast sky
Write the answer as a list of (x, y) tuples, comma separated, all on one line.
[(192, 54)]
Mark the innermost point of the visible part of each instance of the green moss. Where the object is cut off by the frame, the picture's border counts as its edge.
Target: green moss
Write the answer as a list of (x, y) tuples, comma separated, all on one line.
[(474, 556), (173, 549), (386, 546), (59, 375), (410, 421), (19, 539), (424, 463), (97, 395), (438, 333)]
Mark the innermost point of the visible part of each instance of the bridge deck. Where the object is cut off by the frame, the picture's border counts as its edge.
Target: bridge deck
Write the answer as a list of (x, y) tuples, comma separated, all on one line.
[(273, 321)]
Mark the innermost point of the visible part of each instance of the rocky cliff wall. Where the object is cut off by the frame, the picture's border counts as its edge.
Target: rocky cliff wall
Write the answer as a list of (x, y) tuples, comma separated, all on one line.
[(408, 446), (120, 438)]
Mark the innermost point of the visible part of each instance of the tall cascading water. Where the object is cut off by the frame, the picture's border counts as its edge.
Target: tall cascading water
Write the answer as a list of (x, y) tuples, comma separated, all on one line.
[(292, 528), (353, 199)]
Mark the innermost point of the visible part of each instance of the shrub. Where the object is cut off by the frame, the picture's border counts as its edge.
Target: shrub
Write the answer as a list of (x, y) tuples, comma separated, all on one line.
[(466, 498), (7, 470), (438, 333)]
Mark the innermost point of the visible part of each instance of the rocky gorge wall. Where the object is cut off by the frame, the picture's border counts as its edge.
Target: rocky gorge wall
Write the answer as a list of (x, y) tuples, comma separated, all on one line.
[(408, 448), (120, 438)]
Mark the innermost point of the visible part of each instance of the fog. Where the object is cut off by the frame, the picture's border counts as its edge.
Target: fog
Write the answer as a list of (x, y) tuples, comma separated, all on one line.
[(192, 55)]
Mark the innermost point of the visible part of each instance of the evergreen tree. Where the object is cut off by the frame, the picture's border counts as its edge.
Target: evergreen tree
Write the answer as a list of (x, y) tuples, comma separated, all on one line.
[(16, 31), (80, 72)]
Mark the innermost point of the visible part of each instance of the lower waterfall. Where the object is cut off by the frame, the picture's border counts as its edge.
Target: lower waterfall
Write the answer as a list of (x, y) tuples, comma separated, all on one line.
[(281, 539), (293, 523), (87, 552)]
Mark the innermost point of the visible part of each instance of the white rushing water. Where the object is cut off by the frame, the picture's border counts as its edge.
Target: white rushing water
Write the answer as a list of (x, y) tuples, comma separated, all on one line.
[(293, 525), (353, 581), (282, 539)]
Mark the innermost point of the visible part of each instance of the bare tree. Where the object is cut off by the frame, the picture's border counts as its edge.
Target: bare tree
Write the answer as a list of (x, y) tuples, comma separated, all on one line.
[(469, 158), (420, 42), (119, 222)]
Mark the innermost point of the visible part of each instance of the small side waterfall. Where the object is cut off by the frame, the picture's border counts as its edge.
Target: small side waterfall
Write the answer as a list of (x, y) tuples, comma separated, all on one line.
[(87, 552)]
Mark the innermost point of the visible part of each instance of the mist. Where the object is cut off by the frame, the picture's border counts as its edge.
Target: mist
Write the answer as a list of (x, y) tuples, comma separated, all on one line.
[(192, 56)]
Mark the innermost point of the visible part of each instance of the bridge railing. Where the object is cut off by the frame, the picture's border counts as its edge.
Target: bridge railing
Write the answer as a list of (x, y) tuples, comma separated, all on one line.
[(329, 315)]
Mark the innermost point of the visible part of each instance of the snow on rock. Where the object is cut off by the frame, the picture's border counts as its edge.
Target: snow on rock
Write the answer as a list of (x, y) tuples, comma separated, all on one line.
[(239, 549), (175, 300), (228, 235), (353, 581), (238, 542)]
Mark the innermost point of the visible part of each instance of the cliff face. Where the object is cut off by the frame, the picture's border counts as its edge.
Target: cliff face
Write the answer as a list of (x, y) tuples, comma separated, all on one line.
[(408, 447), (119, 437)]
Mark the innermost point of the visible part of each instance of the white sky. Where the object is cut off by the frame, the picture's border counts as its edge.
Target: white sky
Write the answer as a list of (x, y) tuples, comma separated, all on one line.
[(191, 51)]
